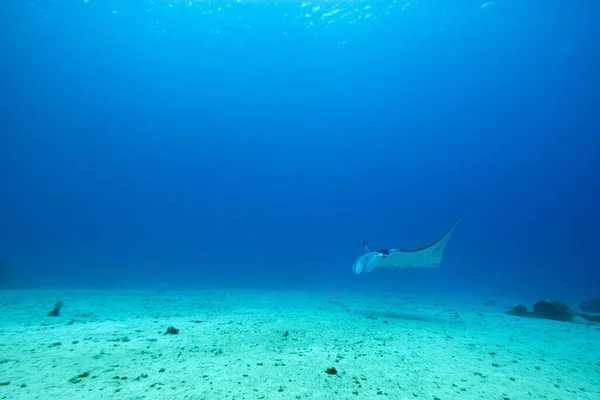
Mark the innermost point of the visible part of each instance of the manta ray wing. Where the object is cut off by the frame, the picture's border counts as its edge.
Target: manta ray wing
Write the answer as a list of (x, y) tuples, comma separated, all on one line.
[(365, 249), (428, 256)]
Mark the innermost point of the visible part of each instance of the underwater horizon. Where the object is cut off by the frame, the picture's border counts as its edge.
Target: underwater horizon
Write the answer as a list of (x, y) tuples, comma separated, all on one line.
[(257, 144)]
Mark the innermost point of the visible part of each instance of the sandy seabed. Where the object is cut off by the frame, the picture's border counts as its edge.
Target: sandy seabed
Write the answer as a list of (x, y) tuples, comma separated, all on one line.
[(252, 344)]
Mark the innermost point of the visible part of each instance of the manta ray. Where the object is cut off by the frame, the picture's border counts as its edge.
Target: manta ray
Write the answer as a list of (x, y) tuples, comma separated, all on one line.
[(428, 256)]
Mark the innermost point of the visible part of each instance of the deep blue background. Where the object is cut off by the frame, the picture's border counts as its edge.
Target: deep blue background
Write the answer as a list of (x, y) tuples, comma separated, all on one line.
[(146, 143)]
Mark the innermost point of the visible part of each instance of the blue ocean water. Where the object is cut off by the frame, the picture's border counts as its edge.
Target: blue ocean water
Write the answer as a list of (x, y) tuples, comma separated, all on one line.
[(257, 143)]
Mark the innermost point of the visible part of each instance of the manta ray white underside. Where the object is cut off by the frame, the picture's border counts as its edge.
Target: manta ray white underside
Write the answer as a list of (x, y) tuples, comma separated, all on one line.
[(428, 256)]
